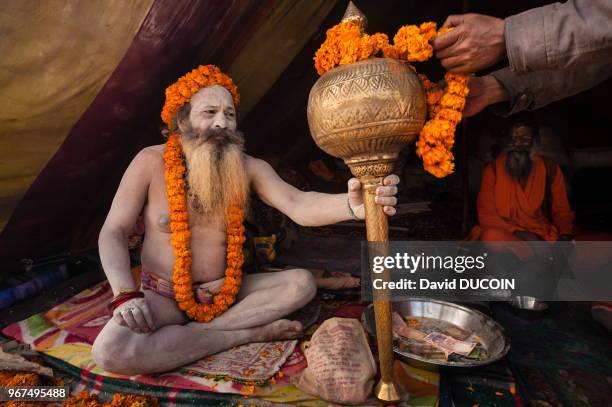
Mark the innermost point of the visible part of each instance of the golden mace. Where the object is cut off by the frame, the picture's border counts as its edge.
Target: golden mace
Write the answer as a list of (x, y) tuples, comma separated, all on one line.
[(365, 113)]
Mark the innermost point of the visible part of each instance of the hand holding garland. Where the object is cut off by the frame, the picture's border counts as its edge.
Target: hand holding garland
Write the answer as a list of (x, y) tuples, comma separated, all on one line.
[(475, 43)]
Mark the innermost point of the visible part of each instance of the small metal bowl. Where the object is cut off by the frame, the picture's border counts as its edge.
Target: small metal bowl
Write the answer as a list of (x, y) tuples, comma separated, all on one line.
[(491, 334), (528, 303)]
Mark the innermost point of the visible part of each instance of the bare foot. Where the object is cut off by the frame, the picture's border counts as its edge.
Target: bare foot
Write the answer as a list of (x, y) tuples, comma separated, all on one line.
[(279, 330)]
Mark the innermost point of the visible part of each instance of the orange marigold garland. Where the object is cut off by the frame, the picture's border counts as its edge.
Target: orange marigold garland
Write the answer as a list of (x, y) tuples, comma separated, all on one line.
[(346, 44), (189, 84), (175, 172), (411, 43), (438, 134), (18, 379), (86, 399)]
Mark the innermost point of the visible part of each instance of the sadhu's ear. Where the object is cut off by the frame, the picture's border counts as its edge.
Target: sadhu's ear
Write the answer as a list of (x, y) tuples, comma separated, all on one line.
[(181, 119)]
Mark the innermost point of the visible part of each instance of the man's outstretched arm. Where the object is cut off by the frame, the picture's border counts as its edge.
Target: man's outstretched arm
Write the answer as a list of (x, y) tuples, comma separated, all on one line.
[(566, 35), (511, 92), (315, 208)]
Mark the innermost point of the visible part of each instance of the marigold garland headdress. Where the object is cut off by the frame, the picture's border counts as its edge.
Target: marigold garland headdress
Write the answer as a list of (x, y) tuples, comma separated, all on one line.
[(175, 172), (189, 84), (346, 43)]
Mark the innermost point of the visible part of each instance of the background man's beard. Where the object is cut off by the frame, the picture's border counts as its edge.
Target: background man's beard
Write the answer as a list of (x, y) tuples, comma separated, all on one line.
[(216, 172), (519, 163)]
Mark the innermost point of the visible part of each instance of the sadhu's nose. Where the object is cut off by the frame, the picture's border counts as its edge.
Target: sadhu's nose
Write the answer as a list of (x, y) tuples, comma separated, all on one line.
[(219, 121)]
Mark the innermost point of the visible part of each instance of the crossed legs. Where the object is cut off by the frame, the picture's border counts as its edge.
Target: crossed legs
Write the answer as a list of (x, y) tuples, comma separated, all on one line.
[(262, 301)]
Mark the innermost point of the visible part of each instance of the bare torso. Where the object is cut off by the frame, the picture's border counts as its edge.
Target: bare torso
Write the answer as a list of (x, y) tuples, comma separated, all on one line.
[(155, 323), (208, 241)]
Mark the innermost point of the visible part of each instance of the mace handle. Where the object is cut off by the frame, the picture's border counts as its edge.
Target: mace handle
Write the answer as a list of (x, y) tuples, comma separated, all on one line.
[(378, 231)]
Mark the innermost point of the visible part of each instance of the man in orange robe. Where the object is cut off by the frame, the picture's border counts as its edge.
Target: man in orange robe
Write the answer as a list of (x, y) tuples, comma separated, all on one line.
[(522, 196)]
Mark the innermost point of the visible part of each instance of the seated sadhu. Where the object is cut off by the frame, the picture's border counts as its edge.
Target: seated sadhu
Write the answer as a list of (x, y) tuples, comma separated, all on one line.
[(193, 192), (522, 195)]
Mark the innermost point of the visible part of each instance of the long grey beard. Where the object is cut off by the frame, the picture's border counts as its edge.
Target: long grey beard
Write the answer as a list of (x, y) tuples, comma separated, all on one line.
[(519, 164), (216, 174)]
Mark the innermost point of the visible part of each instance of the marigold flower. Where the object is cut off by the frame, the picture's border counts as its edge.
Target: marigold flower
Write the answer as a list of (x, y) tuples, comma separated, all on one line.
[(450, 115), (345, 44), (451, 101), (457, 88), (411, 42)]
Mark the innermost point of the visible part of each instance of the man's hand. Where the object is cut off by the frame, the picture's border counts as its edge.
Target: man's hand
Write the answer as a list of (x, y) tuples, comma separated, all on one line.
[(136, 315), (476, 42), (205, 291), (484, 91), (385, 196)]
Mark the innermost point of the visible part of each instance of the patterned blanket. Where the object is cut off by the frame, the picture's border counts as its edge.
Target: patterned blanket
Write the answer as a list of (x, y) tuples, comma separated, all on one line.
[(264, 371), (68, 330)]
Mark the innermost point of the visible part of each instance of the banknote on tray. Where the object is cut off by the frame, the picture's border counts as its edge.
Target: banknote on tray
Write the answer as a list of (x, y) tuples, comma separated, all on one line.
[(448, 344)]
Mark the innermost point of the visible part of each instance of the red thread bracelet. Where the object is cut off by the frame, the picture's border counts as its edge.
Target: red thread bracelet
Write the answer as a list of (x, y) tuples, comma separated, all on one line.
[(122, 298)]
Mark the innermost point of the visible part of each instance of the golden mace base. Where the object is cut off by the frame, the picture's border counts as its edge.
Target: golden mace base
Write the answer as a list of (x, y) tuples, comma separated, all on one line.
[(389, 392)]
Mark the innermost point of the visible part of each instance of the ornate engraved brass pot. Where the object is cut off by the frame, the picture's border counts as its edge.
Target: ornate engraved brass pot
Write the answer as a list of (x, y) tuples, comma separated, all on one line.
[(365, 113)]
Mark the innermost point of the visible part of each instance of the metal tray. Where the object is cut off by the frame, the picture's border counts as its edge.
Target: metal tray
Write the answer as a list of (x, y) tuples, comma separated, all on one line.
[(490, 332)]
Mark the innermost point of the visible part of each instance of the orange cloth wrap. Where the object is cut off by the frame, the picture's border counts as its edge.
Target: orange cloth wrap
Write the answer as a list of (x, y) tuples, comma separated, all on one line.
[(503, 203)]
